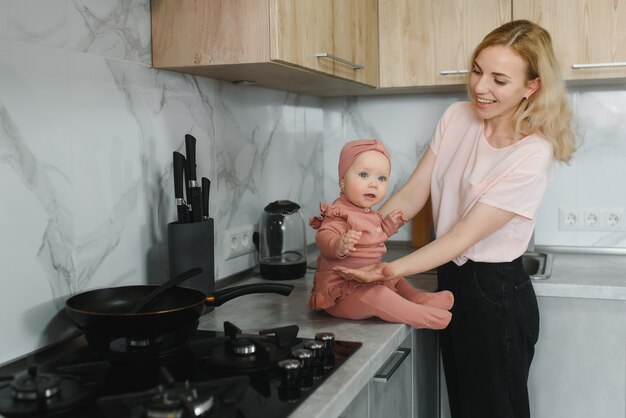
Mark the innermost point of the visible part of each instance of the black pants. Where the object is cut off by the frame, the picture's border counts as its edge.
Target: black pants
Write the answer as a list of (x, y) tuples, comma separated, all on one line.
[(490, 342)]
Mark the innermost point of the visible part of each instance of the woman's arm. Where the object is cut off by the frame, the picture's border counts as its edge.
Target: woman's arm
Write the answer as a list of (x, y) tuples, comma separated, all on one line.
[(480, 222), (413, 195)]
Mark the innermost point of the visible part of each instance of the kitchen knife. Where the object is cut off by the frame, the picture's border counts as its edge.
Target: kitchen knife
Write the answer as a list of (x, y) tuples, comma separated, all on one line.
[(193, 188), (179, 184), (206, 190)]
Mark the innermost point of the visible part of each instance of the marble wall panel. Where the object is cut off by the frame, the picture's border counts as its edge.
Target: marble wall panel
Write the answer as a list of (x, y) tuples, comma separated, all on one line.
[(87, 131)]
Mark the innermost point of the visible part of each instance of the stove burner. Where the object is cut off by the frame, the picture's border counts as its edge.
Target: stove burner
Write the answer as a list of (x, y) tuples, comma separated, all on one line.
[(37, 393), (216, 398), (123, 349), (34, 386), (141, 343), (176, 401), (131, 348), (243, 347), (251, 353)]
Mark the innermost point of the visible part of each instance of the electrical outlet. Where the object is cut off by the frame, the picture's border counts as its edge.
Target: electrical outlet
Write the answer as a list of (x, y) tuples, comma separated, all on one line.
[(613, 220), (592, 220), (238, 241), (569, 219)]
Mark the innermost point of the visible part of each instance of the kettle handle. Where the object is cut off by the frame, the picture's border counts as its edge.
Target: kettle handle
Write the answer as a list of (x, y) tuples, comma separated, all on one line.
[(255, 240)]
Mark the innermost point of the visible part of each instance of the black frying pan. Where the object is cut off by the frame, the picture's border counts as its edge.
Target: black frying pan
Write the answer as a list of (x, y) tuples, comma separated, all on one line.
[(106, 312)]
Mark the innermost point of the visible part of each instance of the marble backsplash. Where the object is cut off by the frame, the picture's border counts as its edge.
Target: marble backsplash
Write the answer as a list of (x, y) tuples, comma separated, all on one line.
[(87, 131)]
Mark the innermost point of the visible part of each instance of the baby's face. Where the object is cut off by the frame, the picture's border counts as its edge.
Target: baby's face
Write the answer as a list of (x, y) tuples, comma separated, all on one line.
[(366, 181)]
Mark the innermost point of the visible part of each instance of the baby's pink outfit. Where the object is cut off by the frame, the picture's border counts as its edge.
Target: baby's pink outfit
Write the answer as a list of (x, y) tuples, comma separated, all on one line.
[(393, 300)]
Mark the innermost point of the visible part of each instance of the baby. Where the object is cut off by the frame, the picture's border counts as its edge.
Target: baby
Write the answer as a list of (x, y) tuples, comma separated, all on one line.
[(352, 234)]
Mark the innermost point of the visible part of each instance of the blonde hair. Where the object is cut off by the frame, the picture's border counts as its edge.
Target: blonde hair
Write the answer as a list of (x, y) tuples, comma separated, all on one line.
[(547, 111)]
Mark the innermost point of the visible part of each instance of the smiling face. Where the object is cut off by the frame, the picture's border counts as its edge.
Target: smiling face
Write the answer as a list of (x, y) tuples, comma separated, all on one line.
[(498, 83), (365, 182)]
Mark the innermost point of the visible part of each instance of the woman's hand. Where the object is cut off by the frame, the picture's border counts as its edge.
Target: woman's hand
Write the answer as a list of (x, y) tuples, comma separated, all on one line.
[(347, 242), (380, 272)]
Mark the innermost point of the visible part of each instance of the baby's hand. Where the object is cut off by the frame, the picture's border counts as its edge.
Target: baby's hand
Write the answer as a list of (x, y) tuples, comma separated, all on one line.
[(347, 242), (398, 217)]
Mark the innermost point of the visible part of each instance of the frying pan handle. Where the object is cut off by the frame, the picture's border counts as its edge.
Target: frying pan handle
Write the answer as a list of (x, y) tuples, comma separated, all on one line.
[(224, 295)]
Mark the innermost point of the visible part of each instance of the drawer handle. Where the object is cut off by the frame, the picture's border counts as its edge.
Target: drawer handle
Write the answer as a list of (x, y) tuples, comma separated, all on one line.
[(453, 72), (338, 59), (599, 65), (390, 367)]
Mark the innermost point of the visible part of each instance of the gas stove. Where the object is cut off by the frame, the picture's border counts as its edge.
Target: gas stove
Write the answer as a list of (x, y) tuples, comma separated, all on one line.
[(215, 374)]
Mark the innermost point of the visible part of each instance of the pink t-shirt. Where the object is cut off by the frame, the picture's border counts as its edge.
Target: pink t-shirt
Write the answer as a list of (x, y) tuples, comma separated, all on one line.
[(468, 170)]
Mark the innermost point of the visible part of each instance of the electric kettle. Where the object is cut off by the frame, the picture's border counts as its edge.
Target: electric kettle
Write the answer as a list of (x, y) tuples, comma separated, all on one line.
[(282, 241)]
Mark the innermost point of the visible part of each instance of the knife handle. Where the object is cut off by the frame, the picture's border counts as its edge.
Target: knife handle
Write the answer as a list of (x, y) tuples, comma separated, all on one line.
[(190, 149), (206, 190), (179, 169), (196, 204), (179, 186)]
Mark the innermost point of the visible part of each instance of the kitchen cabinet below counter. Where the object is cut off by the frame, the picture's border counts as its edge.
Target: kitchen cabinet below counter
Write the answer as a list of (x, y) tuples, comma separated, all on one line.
[(406, 386), (579, 368)]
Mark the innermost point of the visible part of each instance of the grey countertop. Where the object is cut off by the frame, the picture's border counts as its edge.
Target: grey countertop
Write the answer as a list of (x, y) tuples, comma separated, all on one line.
[(587, 276), (573, 275)]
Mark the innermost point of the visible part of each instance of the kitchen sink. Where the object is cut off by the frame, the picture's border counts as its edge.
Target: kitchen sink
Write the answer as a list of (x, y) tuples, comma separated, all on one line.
[(537, 265)]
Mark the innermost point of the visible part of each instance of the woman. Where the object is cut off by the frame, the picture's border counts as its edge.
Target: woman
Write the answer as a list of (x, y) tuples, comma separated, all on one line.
[(487, 169)]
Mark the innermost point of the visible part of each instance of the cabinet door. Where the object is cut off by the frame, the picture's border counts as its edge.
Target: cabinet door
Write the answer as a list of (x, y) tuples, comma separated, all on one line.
[(391, 390), (579, 368), (205, 33), (588, 35), (346, 30), (359, 407), (426, 373), (429, 42)]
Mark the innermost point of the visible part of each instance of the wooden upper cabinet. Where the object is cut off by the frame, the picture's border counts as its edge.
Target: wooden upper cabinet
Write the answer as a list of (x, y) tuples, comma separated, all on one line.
[(345, 30), (589, 36), (272, 43), (427, 43)]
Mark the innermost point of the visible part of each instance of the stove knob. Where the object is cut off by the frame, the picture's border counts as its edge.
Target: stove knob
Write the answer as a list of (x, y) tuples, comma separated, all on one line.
[(289, 371), (328, 357), (317, 347), (305, 357), (328, 338)]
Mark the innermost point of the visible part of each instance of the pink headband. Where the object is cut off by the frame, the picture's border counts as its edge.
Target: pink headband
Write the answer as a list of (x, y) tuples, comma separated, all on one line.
[(353, 149)]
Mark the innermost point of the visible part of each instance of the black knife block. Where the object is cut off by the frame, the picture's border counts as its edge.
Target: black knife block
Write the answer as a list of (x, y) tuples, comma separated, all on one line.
[(191, 245)]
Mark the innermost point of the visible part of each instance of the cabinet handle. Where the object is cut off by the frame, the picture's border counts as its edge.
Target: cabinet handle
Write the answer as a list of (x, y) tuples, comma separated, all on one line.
[(453, 72), (599, 65), (338, 59), (390, 367)]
